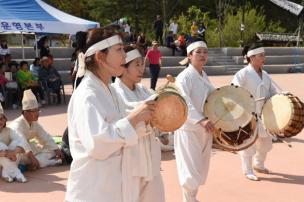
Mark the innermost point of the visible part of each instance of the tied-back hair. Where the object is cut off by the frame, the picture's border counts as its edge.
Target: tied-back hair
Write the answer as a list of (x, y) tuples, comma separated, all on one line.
[(250, 47)]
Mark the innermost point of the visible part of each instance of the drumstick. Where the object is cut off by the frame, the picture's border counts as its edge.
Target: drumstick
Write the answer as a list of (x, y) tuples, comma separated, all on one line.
[(283, 141), (260, 99)]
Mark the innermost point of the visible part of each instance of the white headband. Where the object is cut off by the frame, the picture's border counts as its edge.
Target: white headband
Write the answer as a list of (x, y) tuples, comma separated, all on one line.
[(255, 51), (191, 47), (133, 54), (101, 45), (197, 44)]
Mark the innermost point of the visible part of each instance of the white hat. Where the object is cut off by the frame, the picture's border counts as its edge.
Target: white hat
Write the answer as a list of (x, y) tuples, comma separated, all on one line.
[(29, 100), (191, 47)]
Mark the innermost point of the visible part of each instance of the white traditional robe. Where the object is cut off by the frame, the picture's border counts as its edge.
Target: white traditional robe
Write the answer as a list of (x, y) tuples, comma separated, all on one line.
[(146, 155), (44, 151), (9, 140), (99, 137), (192, 143), (259, 87)]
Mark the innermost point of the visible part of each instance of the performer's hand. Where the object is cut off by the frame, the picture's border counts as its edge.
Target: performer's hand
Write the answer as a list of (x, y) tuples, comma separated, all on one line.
[(142, 113), (58, 154), (207, 125), (34, 162)]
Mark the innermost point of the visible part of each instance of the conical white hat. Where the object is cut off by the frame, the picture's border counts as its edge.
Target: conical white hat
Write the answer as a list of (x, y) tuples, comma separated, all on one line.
[(29, 100)]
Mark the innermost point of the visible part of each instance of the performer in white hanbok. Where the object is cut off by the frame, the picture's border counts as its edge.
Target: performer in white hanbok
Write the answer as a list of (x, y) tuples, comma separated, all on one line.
[(193, 141), (11, 147), (100, 133), (254, 79), (146, 177), (46, 152)]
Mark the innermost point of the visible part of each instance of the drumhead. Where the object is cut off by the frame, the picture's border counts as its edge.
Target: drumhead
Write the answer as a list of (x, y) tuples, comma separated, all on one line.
[(277, 113), (229, 108), (171, 111)]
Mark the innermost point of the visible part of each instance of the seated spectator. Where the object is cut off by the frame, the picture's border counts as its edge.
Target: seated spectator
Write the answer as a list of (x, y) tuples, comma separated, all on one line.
[(142, 43), (46, 152), (3, 81), (27, 80), (50, 78), (4, 51), (201, 32), (170, 42), (11, 147), (11, 87), (35, 67), (65, 147), (182, 44)]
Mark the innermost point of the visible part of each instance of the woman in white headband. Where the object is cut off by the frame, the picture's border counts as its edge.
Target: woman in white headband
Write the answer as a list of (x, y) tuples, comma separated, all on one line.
[(100, 131), (193, 141), (146, 177), (260, 85)]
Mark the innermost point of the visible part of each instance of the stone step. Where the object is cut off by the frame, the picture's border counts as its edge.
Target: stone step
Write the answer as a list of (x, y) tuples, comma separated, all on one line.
[(283, 59), (29, 52)]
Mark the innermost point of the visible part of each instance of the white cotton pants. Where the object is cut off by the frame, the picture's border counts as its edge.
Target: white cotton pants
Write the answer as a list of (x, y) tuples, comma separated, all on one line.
[(45, 158), (149, 191), (192, 152), (255, 154)]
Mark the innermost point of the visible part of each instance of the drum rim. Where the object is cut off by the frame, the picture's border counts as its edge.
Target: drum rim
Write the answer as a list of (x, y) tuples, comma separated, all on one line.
[(284, 130)]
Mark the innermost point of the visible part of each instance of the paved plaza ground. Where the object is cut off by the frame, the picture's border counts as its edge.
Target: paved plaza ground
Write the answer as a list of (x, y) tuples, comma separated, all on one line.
[(225, 182)]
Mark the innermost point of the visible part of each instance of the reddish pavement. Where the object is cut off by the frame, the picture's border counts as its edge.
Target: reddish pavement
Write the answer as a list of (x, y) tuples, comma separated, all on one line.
[(225, 182)]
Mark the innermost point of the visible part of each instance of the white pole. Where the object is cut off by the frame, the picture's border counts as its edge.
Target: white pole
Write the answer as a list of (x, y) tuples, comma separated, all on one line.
[(22, 45)]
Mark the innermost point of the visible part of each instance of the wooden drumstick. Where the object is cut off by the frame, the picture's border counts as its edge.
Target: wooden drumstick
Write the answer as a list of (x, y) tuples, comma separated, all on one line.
[(260, 99), (170, 78), (283, 141)]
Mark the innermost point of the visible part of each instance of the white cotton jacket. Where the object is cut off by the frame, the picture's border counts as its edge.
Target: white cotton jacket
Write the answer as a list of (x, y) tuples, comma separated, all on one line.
[(195, 88), (259, 87), (31, 132), (98, 137), (147, 152)]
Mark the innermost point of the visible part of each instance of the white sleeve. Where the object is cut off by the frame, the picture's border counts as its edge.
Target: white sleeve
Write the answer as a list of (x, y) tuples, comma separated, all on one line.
[(44, 138), (238, 79), (18, 141), (99, 137), (185, 85)]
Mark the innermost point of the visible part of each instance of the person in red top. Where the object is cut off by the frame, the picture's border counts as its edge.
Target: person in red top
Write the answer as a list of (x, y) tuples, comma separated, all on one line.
[(154, 57), (182, 43)]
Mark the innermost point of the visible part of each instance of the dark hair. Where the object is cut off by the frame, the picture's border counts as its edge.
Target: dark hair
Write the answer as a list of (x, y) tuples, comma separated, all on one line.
[(35, 63), (80, 41), (94, 36), (23, 63), (247, 48)]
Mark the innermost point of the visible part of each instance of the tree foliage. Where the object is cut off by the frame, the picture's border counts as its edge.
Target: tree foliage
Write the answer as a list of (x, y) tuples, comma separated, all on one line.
[(221, 17)]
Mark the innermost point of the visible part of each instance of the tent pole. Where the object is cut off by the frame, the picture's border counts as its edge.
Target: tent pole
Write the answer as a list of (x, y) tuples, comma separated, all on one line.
[(36, 45), (22, 45)]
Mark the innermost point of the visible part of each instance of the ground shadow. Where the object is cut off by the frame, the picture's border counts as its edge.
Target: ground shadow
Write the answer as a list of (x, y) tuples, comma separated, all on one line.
[(40, 181), (284, 178), (167, 156)]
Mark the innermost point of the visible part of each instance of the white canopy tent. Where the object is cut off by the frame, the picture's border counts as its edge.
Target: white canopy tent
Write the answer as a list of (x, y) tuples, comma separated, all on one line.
[(35, 16)]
